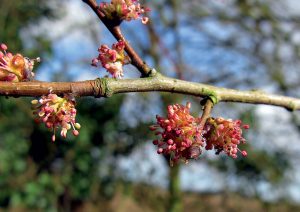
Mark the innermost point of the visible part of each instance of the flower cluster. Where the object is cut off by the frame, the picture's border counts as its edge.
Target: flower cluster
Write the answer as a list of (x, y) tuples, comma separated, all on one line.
[(182, 137), (225, 135), (112, 59), (15, 68), (124, 10), (56, 112)]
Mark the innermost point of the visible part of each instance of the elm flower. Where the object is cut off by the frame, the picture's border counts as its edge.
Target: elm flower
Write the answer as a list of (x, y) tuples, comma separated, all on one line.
[(112, 59), (124, 10), (180, 133), (15, 68), (225, 135), (57, 113), (182, 137)]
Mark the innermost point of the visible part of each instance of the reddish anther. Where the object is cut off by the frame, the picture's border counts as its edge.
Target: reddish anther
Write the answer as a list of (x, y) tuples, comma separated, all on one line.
[(124, 10)]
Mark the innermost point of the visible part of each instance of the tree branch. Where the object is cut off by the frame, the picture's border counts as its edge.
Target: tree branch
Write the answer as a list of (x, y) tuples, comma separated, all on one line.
[(105, 87)]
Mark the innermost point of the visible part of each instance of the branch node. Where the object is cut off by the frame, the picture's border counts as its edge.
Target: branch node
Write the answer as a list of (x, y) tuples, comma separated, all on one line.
[(97, 86), (101, 88), (211, 95), (291, 107), (153, 72)]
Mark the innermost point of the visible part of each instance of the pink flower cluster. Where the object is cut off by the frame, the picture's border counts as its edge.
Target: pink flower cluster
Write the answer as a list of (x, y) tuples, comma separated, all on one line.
[(56, 112), (15, 68), (180, 134), (182, 138), (112, 59), (124, 10), (225, 135)]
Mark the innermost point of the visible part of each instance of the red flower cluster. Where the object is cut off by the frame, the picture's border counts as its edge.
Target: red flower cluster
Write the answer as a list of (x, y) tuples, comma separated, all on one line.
[(112, 59), (182, 137), (124, 9), (57, 112), (15, 68), (225, 135)]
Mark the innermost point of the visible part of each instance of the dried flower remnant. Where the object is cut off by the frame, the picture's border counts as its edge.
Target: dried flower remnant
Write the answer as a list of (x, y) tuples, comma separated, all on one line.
[(124, 10), (112, 59), (15, 68), (57, 112), (225, 135), (180, 132)]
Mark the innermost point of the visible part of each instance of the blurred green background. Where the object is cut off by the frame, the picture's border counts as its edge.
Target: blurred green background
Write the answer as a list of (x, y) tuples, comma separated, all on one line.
[(112, 165)]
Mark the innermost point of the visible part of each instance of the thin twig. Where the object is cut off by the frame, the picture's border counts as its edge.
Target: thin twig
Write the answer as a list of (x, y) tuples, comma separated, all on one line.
[(206, 112)]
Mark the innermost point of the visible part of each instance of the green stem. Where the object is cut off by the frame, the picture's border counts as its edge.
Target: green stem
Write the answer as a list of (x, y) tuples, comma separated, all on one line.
[(175, 202)]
